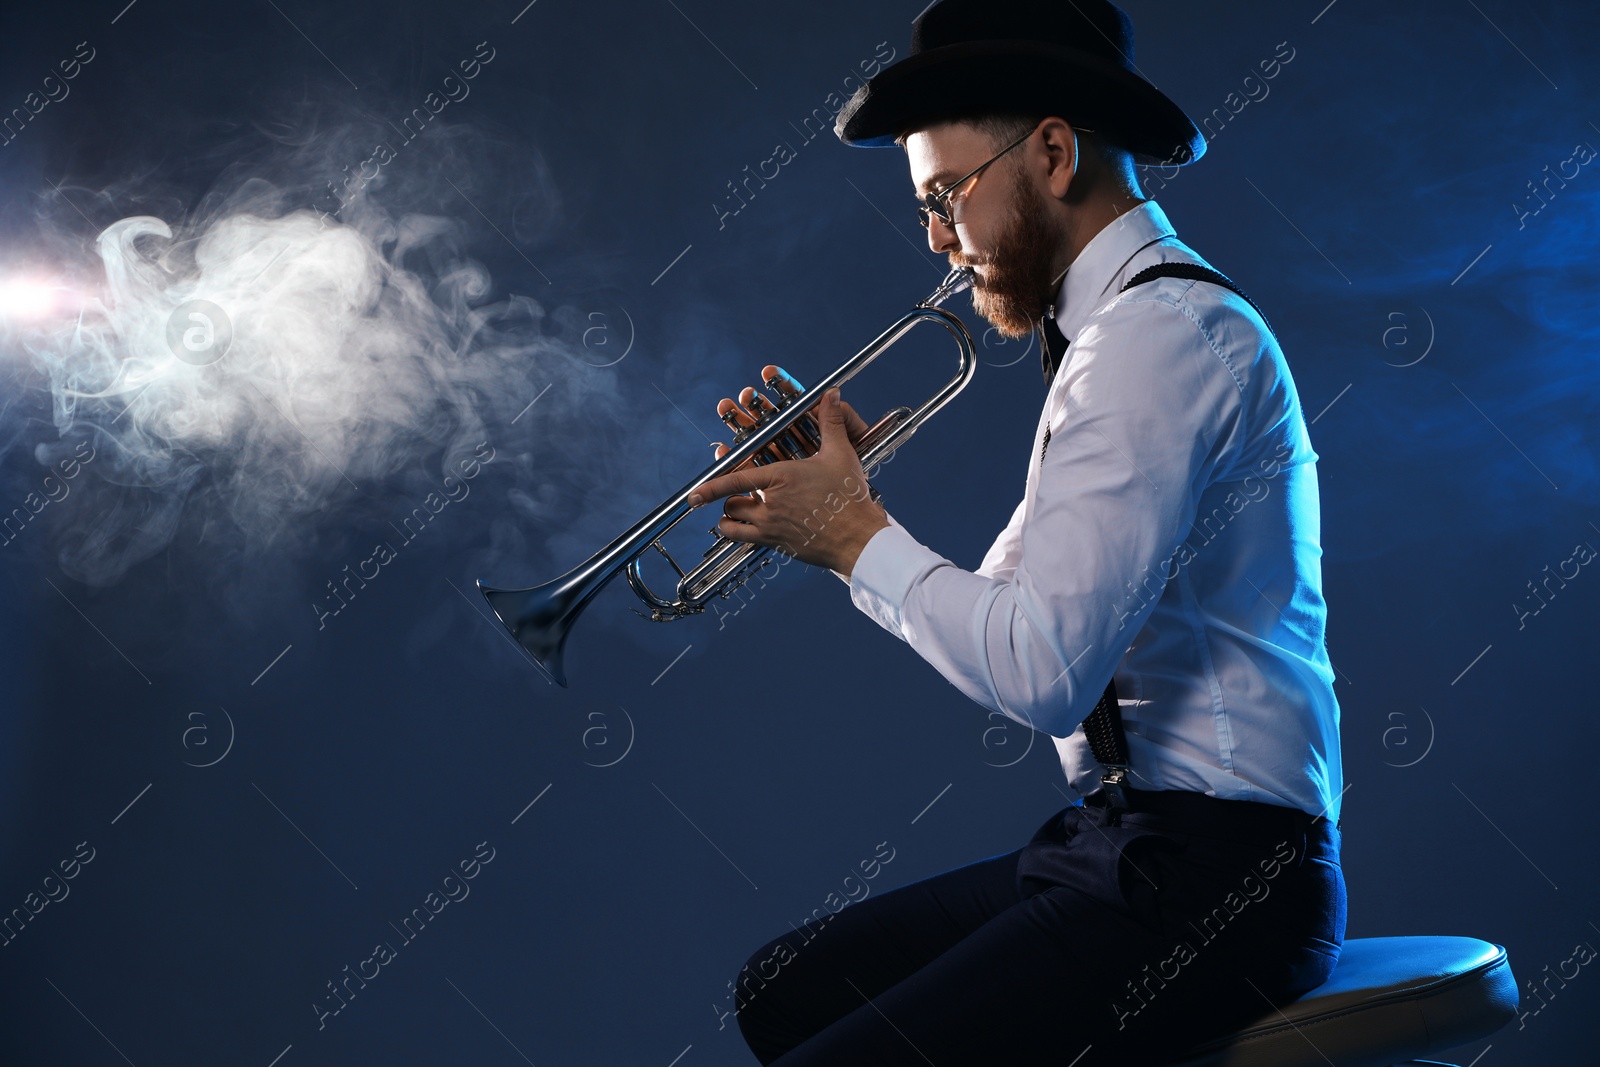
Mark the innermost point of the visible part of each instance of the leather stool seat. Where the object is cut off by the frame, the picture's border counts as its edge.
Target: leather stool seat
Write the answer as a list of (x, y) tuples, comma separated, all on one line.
[(1388, 1001)]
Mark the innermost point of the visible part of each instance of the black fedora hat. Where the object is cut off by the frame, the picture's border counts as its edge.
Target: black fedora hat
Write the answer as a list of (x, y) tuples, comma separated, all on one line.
[(1072, 58)]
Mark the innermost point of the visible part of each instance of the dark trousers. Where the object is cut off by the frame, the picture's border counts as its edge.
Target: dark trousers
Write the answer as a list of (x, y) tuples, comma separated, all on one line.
[(1108, 939)]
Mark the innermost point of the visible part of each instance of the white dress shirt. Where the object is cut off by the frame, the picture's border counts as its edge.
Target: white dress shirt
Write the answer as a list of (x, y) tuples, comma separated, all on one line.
[(1170, 534)]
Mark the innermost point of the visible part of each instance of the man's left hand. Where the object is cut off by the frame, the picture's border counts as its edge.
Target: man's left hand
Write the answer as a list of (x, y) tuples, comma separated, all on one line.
[(818, 509)]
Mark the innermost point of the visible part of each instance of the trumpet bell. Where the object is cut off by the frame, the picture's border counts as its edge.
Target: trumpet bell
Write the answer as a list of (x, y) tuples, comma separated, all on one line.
[(540, 619)]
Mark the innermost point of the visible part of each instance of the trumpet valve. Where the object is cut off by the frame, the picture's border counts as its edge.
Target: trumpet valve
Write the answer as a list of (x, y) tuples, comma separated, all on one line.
[(787, 442), (787, 390)]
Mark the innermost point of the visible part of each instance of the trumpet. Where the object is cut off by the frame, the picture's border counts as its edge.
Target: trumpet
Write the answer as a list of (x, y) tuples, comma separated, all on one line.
[(541, 618)]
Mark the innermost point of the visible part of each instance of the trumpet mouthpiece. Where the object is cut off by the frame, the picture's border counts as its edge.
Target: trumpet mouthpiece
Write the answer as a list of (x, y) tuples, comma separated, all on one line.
[(958, 280)]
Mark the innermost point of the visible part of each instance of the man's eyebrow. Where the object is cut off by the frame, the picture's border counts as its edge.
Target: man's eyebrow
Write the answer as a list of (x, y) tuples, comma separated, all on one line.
[(937, 182)]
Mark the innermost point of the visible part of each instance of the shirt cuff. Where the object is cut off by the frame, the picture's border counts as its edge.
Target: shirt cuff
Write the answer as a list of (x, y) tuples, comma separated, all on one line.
[(845, 578), (890, 564)]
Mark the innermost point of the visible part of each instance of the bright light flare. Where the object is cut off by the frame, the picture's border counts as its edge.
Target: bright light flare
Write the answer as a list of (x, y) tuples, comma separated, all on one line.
[(27, 299)]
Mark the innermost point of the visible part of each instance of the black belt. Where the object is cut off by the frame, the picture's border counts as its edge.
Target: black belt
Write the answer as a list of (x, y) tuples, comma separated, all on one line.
[(1195, 811)]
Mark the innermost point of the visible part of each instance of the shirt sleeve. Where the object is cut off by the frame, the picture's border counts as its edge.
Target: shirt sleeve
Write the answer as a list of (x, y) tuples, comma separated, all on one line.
[(1002, 558), (1147, 405)]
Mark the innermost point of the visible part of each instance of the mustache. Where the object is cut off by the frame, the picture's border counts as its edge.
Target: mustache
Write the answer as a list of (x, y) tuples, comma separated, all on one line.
[(972, 263)]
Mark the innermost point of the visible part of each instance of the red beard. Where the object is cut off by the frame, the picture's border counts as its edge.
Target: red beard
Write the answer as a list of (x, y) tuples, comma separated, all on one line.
[(1017, 283)]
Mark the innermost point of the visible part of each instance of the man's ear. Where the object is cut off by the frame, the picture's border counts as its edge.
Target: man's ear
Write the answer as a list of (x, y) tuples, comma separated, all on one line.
[(1062, 150)]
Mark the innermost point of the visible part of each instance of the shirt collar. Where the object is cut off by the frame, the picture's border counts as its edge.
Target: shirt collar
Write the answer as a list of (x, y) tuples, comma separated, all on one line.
[(1100, 264)]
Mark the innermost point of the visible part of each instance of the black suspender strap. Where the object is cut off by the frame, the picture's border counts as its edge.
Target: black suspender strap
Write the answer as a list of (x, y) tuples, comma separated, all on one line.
[(1194, 272), (1103, 726)]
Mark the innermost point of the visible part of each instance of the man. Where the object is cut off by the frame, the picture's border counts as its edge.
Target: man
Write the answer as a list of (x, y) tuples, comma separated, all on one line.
[(1166, 542)]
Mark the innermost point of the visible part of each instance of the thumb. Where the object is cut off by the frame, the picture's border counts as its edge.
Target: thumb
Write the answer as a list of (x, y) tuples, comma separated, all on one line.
[(830, 416)]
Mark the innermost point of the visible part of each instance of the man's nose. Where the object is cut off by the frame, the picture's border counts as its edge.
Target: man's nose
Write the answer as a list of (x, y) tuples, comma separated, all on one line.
[(942, 235)]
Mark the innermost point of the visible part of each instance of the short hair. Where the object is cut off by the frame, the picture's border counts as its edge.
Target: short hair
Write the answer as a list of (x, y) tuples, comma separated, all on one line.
[(1003, 128)]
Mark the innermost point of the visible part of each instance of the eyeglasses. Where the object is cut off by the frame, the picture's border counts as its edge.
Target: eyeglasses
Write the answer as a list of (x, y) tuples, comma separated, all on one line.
[(939, 203)]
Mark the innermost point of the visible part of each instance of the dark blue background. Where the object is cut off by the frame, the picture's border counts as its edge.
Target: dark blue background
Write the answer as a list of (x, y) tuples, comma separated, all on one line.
[(748, 778)]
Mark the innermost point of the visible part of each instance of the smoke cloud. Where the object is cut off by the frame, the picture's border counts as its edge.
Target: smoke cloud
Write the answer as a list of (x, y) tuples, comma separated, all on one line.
[(261, 361)]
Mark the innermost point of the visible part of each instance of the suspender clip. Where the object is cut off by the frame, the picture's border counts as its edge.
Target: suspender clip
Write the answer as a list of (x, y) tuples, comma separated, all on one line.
[(1113, 785)]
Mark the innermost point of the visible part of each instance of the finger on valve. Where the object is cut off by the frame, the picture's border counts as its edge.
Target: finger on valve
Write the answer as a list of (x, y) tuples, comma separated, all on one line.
[(735, 416), (738, 420), (783, 383), (780, 381), (762, 410), (791, 444)]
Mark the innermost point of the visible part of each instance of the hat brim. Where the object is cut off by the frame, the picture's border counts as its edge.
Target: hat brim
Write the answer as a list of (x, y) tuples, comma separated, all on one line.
[(1028, 77)]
